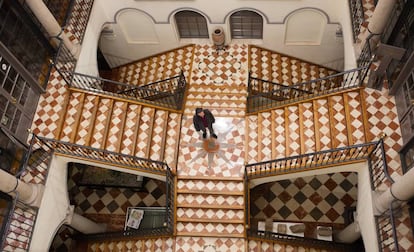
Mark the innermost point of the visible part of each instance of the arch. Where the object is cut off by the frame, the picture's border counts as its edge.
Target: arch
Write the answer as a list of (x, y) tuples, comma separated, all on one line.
[(191, 24), (246, 24), (127, 21), (313, 19)]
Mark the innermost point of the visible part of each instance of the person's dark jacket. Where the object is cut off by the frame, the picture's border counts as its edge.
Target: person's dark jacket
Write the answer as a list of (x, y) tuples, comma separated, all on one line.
[(198, 121)]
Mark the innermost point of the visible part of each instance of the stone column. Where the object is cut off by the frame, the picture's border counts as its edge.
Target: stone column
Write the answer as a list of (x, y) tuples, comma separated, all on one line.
[(349, 234), (30, 194), (379, 20), (401, 190), (49, 22), (82, 224)]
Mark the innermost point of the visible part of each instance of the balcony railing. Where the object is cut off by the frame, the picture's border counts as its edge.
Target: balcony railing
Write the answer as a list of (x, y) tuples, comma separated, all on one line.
[(357, 17), (19, 227), (396, 218), (299, 241), (264, 94), (320, 159), (22, 218), (104, 156), (168, 93)]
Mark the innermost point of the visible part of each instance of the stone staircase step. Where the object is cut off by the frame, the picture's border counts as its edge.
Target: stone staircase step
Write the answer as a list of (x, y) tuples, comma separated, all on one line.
[(211, 201), (210, 214), (113, 124), (210, 229)]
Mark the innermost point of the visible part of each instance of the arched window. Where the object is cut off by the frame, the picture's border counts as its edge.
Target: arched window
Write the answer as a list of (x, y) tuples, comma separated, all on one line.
[(246, 25), (191, 24)]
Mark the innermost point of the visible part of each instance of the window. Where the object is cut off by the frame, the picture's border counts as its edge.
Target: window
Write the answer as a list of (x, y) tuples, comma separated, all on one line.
[(246, 25), (191, 24)]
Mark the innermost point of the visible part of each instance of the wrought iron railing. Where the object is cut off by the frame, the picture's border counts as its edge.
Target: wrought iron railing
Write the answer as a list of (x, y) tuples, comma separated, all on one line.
[(313, 160), (104, 156), (19, 227), (377, 163), (264, 94), (388, 224), (168, 93), (37, 160), (357, 17), (64, 62), (21, 221), (299, 241)]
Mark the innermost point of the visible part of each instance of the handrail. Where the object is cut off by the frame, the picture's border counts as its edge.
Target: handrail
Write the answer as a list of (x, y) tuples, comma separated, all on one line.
[(168, 93), (357, 17), (275, 94), (19, 227), (37, 160), (105, 156), (309, 161), (387, 226), (299, 241)]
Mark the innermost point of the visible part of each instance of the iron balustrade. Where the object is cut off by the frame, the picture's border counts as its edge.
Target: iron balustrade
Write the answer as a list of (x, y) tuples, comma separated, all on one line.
[(387, 225), (37, 160), (264, 94), (313, 160), (64, 62), (168, 93), (105, 156), (298, 241), (377, 163), (19, 228), (357, 17)]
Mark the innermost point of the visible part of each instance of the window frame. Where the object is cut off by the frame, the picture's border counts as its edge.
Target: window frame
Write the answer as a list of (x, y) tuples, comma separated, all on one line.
[(246, 24), (191, 24)]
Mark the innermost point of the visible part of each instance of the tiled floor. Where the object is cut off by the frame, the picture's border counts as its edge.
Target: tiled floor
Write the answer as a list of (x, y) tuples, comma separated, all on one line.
[(211, 76), (321, 198)]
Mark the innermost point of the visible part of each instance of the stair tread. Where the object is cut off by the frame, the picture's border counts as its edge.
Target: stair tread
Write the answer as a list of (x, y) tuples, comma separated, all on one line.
[(210, 234), (205, 206), (180, 177), (203, 191), (211, 220)]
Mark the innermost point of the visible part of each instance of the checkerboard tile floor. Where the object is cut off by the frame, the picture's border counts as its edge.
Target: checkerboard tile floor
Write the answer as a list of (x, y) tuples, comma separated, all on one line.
[(381, 115), (321, 198)]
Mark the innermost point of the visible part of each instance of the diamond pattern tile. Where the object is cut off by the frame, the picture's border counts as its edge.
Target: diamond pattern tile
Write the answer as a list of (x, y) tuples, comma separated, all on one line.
[(310, 199), (265, 146), (307, 127), (130, 129), (50, 107), (382, 118), (338, 121), (144, 132), (293, 131), (116, 126), (101, 121), (158, 135)]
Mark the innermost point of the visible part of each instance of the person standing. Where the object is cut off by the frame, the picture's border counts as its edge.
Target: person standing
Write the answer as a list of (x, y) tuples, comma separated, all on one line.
[(202, 120)]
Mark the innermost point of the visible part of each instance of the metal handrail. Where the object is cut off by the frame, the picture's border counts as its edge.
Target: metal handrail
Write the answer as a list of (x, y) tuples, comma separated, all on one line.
[(105, 156), (166, 93), (19, 226), (263, 94), (309, 161), (387, 226), (357, 17), (299, 241)]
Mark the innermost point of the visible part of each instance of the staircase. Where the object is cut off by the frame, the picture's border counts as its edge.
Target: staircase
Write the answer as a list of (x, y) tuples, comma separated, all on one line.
[(308, 126), (118, 125), (210, 207)]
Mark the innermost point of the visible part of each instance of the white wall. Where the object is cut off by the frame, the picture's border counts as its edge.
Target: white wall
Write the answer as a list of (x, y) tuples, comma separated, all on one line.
[(217, 12)]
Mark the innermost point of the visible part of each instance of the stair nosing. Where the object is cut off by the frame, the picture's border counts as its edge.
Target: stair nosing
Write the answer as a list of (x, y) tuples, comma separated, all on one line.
[(226, 207)]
